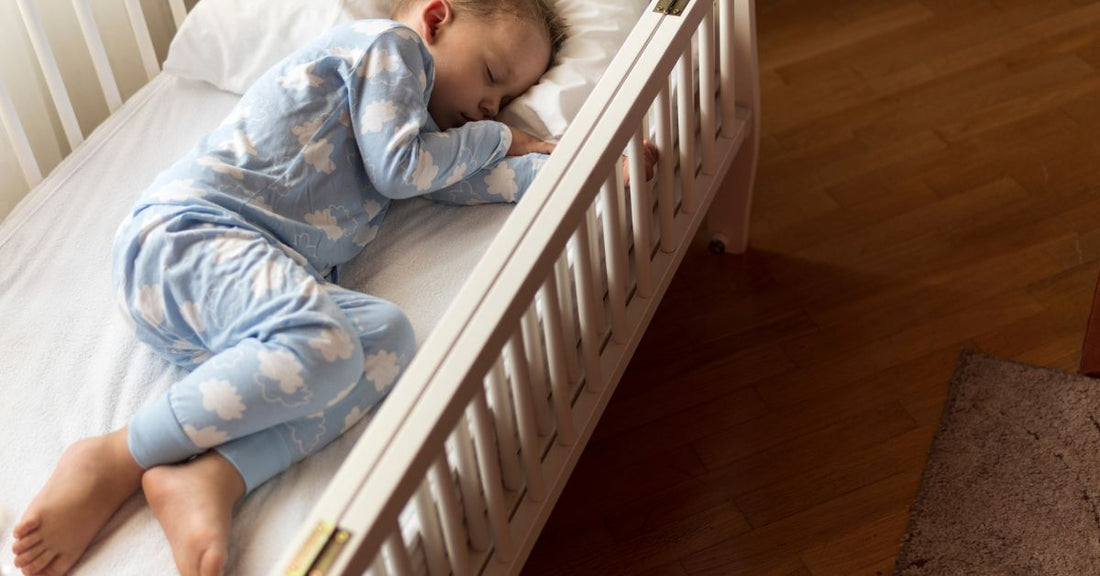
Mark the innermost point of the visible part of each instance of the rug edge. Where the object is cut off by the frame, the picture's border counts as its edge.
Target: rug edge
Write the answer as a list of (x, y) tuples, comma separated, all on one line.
[(967, 356)]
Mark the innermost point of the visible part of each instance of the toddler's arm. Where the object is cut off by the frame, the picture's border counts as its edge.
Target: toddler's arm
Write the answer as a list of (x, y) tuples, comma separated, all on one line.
[(506, 181), (387, 93)]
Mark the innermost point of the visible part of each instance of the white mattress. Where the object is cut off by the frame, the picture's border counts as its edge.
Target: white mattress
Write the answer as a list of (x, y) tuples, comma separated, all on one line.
[(70, 367)]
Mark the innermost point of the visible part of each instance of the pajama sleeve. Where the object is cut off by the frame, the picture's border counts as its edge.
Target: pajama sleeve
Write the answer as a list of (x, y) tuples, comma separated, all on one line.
[(388, 96), (506, 181)]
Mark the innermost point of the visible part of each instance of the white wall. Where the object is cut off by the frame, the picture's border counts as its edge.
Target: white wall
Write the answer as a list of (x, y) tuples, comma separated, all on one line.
[(20, 74)]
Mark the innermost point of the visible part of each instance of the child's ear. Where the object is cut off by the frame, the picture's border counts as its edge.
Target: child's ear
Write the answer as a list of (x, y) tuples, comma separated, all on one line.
[(434, 15)]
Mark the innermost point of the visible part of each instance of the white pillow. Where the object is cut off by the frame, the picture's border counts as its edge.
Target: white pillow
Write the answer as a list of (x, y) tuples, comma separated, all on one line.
[(230, 43)]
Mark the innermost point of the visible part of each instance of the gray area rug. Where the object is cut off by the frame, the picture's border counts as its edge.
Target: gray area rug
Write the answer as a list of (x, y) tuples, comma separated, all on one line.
[(1012, 484)]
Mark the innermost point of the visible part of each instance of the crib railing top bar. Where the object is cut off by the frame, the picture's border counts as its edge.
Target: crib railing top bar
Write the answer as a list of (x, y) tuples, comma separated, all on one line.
[(379, 437), (534, 247)]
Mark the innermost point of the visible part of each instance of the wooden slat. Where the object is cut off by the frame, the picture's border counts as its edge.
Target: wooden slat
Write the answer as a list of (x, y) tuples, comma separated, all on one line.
[(594, 256), (98, 54), (707, 116), (491, 481), (473, 501), (430, 531), (397, 553), (144, 40), (51, 72), (685, 108), (567, 306), (726, 65), (179, 12), (589, 309), (500, 399), (640, 212), (451, 518), (378, 566), (536, 357), (665, 203), (614, 238), (556, 344), (14, 127), (530, 450)]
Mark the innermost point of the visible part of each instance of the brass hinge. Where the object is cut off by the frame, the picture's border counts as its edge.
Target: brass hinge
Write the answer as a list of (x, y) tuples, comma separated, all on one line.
[(671, 7), (319, 553)]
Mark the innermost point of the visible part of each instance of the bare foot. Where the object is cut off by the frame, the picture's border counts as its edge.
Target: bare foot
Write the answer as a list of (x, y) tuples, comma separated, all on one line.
[(194, 503), (92, 480)]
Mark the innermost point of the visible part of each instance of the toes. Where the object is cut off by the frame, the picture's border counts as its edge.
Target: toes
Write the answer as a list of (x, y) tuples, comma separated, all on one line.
[(24, 544), (40, 563), (30, 555), (28, 524)]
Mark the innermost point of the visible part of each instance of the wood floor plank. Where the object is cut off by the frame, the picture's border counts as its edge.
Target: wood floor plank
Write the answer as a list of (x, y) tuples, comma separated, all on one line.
[(843, 472), (798, 454), (758, 551), (847, 33), (847, 553), (883, 567)]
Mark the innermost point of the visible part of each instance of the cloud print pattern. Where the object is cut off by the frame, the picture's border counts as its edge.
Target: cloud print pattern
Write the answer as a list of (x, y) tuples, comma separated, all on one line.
[(279, 368), (226, 265)]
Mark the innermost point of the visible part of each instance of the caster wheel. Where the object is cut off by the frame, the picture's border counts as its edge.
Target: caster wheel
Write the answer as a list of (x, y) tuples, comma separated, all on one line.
[(717, 246)]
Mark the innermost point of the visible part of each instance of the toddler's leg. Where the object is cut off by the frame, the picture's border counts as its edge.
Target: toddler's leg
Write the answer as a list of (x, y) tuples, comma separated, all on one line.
[(194, 501), (388, 345), (282, 350), (285, 354), (279, 346)]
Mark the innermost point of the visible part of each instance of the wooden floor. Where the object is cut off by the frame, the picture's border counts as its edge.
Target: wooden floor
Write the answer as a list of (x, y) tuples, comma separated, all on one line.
[(929, 182)]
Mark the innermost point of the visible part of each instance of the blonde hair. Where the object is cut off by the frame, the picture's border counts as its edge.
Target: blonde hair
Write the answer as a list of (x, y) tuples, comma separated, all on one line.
[(537, 12)]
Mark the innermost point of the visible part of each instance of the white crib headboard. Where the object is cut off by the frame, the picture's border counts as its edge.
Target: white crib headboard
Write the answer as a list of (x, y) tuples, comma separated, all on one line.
[(61, 76)]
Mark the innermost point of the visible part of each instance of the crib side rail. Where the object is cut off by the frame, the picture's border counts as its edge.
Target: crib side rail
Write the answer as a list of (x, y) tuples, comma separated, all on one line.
[(58, 85), (470, 438)]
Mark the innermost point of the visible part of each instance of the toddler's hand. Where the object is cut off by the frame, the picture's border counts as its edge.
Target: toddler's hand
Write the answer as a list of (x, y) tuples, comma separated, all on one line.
[(650, 160), (524, 143)]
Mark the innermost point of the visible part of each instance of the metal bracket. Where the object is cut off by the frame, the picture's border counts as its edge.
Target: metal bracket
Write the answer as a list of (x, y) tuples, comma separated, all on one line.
[(671, 7), (319, 552)]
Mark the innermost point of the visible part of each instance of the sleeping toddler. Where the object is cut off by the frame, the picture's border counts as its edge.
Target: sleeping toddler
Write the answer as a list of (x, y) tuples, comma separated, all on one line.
[(228, 264)]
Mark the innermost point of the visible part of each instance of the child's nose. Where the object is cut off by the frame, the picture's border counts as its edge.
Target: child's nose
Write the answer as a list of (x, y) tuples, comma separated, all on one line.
[(489, 108)]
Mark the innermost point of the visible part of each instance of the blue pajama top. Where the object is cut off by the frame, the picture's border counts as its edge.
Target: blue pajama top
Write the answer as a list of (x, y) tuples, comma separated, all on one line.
[(319, 145)]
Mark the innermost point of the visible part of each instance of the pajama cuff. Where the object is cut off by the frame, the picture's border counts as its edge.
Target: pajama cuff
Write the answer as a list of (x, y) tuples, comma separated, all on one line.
[(257, 457), (155, 437)]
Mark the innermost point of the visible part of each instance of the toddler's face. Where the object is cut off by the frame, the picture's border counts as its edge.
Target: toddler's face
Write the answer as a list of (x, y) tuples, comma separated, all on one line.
[(480, 66)]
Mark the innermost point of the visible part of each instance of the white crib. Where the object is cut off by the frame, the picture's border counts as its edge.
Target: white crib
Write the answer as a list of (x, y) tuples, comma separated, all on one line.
[(461, 467)]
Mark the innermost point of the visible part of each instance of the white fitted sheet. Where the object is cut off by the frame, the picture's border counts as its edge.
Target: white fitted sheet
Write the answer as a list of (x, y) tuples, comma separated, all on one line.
[(70, 367)]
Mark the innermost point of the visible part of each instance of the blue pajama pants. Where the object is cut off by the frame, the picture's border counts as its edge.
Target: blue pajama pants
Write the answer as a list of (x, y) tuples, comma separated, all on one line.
[(281, 361)]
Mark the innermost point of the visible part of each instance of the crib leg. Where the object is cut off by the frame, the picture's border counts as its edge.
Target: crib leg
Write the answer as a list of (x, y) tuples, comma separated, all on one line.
[(728, 217)]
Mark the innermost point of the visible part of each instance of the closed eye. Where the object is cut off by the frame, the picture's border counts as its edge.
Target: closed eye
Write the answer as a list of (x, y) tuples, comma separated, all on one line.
[(489, 72)]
